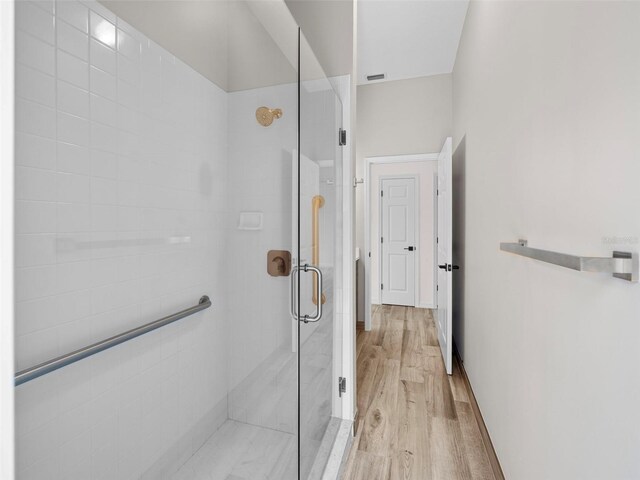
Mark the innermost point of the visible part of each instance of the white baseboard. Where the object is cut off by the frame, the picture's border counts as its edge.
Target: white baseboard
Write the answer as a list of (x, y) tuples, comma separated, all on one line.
[(427, 305)]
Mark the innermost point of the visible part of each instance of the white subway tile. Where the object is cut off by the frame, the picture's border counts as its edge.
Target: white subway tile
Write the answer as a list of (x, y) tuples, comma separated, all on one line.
[(128, 70), (73, 70), (35, 407), (73, 100), (104, 430), (102, 29), (74, 188), (72, 41), (35, 118), (47, 5), (35, 217), (104, 137), (73, 159), (35, 151), (128, 95), (73, 13), (104, 191), (38, 314), (104, 164), (103, 83), (104, 218), (35, 249), (35, 53), (35, 282), (103, 57), (73, 306), (104, 110), (128, 45), (34, 85), (71, 245), (128, 119), (129, 219), (35, 184), (36, 447), (72, 129), (127, 193), (75, 457), (74, 217), (35, 21), (73, 276), (74, 422)]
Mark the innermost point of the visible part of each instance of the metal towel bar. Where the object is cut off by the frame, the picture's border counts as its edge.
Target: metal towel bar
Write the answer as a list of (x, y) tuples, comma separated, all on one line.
[(64, 360), (622, 264)]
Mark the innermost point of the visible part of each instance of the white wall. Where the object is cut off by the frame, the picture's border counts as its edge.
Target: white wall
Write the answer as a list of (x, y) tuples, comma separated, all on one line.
[(425, 171), (121, 208), (546, 126), (396, 118), (7, 100)]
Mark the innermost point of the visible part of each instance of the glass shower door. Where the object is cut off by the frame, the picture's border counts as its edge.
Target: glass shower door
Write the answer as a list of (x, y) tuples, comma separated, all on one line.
[(319, 203)]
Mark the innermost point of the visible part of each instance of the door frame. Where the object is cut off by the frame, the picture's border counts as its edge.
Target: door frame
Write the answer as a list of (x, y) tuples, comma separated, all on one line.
[(416, 233), (368, 163), (7, 99)]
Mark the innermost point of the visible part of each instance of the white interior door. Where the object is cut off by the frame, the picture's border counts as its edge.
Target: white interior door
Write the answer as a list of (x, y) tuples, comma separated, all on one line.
[(398, 245), (444, 321)]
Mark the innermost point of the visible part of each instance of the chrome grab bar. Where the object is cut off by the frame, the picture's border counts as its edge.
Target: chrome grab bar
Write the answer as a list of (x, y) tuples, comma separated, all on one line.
[(295, 275), (622, 265), (49, 366)]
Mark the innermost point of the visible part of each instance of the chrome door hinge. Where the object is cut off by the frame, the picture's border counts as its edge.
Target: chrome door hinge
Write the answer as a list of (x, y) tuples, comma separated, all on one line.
[(342, 137), (342, 385)]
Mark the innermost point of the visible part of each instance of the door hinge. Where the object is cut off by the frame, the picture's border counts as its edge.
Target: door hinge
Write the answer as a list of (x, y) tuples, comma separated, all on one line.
[(437, 288), (382, 286), (342, 137), (382, 193), (342, 385), (437, 239), (369, 254), (381, 239)]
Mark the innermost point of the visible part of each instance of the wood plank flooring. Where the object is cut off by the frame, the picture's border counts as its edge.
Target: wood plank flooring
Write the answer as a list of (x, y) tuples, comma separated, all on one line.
[(415, 422)]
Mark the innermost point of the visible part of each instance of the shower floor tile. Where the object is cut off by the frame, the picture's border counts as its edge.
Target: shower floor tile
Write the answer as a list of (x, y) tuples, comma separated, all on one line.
[(238, 451)]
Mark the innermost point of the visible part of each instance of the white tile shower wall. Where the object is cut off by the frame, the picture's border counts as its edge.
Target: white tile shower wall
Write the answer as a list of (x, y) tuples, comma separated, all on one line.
[(121, 199), (259, 180)]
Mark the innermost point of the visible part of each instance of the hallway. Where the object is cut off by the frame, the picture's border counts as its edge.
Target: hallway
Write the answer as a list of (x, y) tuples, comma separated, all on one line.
[(415, 422)]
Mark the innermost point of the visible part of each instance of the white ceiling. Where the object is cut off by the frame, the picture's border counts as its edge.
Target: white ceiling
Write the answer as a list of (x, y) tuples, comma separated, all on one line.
[(408, 38)]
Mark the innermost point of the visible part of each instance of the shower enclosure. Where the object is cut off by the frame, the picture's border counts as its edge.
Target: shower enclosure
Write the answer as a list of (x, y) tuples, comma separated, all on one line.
[(167, 151)]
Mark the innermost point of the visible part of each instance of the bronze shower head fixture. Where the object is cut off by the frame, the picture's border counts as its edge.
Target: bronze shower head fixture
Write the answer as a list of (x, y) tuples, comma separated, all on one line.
[(265, 115)]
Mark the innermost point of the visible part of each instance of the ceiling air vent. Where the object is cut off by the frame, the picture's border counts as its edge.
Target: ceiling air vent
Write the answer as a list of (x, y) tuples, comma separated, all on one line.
[(379, 76)]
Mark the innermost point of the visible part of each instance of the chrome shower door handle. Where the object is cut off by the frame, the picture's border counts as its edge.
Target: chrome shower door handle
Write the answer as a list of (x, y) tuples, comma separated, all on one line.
[(318, 294), (295, 274), (294, 292)]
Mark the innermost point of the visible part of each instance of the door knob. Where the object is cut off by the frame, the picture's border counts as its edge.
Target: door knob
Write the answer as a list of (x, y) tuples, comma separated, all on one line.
[(411, 249), (443, 267), (455, 267)]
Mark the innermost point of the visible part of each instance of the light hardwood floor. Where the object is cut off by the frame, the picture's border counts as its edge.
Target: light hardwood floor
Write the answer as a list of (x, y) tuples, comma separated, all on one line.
[(415, 422)]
